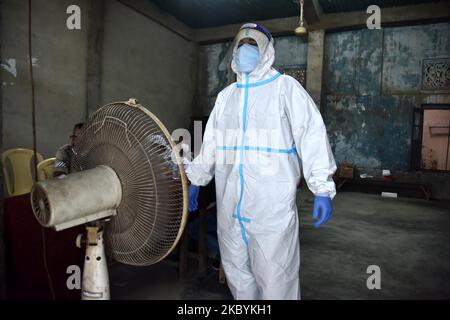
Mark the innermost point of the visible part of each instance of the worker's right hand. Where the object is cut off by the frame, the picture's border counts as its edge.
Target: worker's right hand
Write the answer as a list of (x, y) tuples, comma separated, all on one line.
[(186, 163), (193, 197)]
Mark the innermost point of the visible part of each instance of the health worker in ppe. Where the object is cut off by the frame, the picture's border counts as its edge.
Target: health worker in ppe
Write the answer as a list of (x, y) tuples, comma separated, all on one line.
[(267, 116)]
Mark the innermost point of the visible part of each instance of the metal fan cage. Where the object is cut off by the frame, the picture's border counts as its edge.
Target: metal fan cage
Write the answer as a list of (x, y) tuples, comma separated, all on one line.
[(135, 144)]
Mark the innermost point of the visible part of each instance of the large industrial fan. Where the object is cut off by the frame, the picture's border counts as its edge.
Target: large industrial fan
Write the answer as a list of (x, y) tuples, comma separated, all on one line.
[(128, 186)]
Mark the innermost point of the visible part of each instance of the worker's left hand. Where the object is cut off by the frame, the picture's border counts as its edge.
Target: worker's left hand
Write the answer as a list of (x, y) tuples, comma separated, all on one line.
[(325, 207)]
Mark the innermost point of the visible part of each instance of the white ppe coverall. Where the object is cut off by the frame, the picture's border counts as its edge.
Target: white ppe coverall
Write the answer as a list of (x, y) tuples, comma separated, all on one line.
[(260, 129)]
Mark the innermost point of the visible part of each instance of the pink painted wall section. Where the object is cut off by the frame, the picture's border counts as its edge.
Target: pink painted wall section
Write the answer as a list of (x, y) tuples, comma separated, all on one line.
[(435, 140)]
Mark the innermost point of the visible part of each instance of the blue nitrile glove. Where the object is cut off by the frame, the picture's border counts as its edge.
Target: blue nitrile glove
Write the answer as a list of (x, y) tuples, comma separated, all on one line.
[(193, 197), (322, 204)]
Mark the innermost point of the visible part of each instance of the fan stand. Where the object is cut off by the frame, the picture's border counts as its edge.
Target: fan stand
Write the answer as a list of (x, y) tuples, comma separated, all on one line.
[(95, 284), (121, 151)]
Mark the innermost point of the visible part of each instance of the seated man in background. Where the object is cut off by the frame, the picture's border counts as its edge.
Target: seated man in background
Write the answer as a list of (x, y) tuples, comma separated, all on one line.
[(65, 153)]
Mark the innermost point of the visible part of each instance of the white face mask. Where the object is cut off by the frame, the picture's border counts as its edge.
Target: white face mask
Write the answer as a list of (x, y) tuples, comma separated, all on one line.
[(247, 58)]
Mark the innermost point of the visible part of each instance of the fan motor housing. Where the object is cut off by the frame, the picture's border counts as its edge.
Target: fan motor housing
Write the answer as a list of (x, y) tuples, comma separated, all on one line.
[(79, 198)]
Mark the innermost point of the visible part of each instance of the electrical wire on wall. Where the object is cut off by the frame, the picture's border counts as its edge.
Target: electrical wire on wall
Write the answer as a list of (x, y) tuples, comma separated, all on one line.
[(33, 120)]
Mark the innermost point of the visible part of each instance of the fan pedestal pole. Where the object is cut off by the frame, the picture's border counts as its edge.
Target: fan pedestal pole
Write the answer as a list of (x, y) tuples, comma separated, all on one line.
[(95, 285)]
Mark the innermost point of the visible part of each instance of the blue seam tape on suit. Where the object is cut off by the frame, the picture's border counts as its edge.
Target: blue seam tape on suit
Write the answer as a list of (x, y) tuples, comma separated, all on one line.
[(241, 166), (258, 149), (257, 84), (243, 219)]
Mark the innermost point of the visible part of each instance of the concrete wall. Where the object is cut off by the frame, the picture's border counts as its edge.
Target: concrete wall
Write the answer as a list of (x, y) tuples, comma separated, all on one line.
[(59, 58), (372, 83), (2, 244), (215, 72), (144, 60), (140, 59), (314, 70)]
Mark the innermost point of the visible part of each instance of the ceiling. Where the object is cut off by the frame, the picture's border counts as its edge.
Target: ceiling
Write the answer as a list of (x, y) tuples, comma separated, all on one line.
[(335, 6), (210, 13)]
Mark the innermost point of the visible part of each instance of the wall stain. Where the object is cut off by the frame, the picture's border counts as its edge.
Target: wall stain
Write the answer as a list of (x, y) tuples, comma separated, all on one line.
[(372, 83)]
